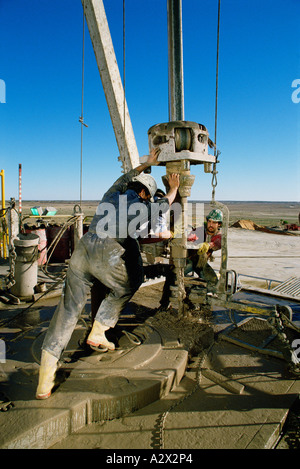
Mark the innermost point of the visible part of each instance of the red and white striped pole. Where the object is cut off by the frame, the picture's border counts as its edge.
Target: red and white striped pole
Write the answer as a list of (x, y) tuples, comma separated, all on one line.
[(20, 189)]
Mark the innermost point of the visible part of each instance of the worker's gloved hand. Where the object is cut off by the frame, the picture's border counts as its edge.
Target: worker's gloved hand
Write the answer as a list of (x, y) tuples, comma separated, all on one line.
[(202, 255), (203, 248)]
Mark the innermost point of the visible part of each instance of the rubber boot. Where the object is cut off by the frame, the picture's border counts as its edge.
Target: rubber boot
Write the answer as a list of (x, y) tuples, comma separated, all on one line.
[(46, 375), (97, 336)]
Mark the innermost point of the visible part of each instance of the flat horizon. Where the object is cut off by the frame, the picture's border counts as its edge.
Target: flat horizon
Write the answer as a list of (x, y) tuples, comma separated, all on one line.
[(192, 200)]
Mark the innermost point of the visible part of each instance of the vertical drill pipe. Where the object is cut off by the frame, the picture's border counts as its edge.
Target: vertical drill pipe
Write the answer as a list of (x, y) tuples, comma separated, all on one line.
[(20, 189), (3, 212), (224, 251), (176, 94), (176, 113)]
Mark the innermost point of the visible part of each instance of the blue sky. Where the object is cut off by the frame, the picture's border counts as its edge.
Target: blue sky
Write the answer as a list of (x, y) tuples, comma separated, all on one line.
[(258, 123)]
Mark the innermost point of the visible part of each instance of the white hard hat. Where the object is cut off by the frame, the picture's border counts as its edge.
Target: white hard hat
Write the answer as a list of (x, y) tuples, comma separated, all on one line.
[(148, 181)]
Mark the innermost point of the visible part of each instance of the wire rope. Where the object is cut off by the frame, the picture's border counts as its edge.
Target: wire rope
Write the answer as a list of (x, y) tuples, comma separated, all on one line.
[(124, 78), (216, 153), (217, 73), (82, 102)]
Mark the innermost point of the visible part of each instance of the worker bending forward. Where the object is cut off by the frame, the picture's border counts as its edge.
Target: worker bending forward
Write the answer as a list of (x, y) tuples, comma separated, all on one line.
[(110, 253)]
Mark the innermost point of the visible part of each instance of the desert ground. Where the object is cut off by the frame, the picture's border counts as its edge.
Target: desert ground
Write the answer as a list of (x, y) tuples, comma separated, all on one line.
[(263, 213)]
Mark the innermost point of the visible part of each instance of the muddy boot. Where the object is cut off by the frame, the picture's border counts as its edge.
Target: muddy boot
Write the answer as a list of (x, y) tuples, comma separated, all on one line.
[(97, 336), (46, 375)]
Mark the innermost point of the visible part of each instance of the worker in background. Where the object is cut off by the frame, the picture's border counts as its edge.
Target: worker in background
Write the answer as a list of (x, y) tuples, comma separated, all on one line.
[(109, 252), (197, 260)]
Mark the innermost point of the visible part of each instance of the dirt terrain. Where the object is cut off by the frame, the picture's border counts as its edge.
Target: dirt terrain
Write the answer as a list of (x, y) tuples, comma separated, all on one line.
[(263, 213)]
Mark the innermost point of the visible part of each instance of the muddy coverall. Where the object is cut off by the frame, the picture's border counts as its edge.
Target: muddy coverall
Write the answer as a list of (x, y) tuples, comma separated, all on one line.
[(206, 272), (115, 261)]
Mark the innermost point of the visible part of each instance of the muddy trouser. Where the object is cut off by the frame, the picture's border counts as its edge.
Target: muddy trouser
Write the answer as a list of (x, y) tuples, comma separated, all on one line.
[(135, 271), (170, 281), (93, 258), (206, 272)]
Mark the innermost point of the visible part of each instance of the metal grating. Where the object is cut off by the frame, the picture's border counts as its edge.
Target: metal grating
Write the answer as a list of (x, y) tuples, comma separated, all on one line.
[(291, 286)]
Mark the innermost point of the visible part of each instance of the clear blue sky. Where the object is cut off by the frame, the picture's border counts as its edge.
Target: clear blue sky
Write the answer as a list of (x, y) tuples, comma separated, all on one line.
[(258, 123)]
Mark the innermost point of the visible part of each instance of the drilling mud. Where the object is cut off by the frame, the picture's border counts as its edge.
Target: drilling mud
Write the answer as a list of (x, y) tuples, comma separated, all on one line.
[(193, 331)]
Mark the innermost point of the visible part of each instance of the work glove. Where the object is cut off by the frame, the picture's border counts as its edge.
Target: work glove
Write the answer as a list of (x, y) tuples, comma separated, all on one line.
[(203, 248), (202, 255)]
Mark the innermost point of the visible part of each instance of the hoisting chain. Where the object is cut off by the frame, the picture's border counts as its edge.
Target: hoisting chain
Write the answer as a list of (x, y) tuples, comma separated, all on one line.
[(214, 173), (158, 432), (277, 324)]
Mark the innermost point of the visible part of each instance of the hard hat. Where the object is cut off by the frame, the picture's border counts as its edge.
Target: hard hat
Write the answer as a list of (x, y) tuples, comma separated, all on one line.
[(148, 181), (160, 193), (215, 215)]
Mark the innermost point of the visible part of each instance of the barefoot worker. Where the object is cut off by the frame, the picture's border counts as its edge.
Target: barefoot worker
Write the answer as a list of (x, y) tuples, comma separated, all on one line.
[(110, 253)]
